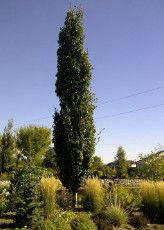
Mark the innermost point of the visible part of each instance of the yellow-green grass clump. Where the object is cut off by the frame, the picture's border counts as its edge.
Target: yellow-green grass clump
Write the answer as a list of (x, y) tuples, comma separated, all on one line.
[(152, 194), (93, 193), (48, 188)]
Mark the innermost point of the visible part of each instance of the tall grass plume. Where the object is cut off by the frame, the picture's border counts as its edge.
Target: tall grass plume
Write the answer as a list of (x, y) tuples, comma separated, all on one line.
[(93, 194), (48, 188), (152, 194)]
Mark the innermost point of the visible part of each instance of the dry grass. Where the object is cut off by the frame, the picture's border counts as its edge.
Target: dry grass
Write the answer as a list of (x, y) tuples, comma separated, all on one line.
[(48, 188)]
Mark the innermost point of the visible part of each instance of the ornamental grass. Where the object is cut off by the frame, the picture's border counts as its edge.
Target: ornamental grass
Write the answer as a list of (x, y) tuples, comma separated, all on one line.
[(152, 194), (93, 195), (48, 188)]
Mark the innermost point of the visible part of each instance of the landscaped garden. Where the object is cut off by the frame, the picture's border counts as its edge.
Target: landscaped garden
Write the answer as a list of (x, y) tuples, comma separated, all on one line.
[(35, 200), (62, 187)]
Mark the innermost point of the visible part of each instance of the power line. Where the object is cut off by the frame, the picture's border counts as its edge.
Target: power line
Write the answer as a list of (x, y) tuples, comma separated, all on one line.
[(107, 116), (111, 101), (131, 95), (131, 111)]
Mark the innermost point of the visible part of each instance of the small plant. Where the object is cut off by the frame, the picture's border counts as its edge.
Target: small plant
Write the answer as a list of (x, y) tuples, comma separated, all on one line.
[(138, 220), (4, 195), (56, 221), (93, 193), (121, 196), (25, 193), (116, 215), (44, 224), (101, 221), (82, 222), (65, 199), (48, 188)]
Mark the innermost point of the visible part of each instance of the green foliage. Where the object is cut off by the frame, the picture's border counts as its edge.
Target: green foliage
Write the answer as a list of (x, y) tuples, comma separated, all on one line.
[(57, 221), (152, 194), (49, 161), (7, 148), (121, 165), (96, 167), (93, 195), (65, 199), (152, 168), (48, 187), (4, 196), (74, 131), (25, 192), (119, 195), (82, 222), (102, 221), (107, 172), (33, 141), (44, 224), (116, 215)]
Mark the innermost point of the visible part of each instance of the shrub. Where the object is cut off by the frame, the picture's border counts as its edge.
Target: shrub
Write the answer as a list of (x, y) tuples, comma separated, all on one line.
[(101, 221), (60, 222), (56, 221), (93, 195), (116, 215), (48, 188), (138, 220), (65, 199), (68, 216), (4, 195), (44, 224), (121, 196), (25, 193), (82, 222), (152, 194)]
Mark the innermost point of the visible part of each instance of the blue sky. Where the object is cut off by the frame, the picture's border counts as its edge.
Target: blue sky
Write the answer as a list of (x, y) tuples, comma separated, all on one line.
[(125, 41)]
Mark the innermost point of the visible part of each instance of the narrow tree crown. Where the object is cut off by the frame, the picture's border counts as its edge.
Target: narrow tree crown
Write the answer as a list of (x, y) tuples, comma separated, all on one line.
[(74, 132)]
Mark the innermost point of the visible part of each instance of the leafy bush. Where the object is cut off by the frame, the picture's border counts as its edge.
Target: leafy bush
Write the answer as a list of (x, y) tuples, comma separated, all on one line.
[(152, 194), (93, 195), (101, 221), (25, 193), (67, 215), (116, 215), (152, 168), (82, 222), (48, 188), (138, 220), (65, 199), (4, 195), (56, 221), (129, 200), (44, 224)]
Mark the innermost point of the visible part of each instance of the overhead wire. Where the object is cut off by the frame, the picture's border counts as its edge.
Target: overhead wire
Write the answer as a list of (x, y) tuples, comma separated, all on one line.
[(112, 101), (131, 95)]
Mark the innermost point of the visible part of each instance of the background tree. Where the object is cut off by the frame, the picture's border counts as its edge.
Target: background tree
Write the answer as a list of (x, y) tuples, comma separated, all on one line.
[(121, 164), (7, 148), (33, 141), (49, 161), (96, 167), (74, 131), (152, 167)]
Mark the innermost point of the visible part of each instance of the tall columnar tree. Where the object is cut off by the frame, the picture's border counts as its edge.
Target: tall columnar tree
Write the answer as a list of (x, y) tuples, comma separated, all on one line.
[(7, 148), (121, 163), (74, 131)]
